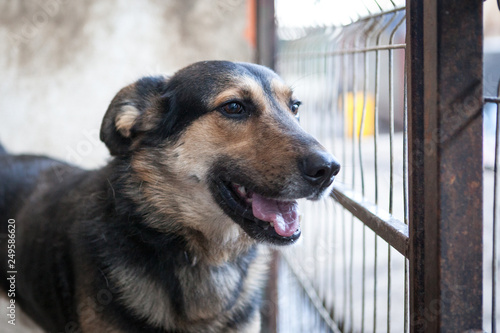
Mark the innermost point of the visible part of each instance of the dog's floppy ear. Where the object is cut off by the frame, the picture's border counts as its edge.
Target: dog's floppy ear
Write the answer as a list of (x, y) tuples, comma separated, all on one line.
[(134, 110)]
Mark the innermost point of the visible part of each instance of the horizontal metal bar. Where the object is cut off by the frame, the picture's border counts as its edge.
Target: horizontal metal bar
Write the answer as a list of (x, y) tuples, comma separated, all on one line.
[(492, 99), (349, 51), (368, 17), (382, 223), (368, 49)]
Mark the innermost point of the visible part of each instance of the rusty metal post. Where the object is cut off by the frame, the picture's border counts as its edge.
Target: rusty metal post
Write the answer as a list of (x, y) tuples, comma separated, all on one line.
[(444, 43), (266, 33), (270, 306), (266, 51)]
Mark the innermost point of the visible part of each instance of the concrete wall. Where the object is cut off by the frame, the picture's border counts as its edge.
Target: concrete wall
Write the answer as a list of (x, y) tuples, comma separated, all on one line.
[(62, 61)]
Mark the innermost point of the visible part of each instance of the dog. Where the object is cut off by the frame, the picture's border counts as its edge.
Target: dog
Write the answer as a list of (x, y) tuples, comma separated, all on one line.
[(172, 234)]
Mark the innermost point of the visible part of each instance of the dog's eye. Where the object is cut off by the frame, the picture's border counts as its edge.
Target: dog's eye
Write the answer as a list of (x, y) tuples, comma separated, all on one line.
[(295, 107), (233, 108)]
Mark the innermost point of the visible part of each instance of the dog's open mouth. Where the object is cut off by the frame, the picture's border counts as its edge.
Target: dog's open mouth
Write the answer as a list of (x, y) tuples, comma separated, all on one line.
[(265, 219)]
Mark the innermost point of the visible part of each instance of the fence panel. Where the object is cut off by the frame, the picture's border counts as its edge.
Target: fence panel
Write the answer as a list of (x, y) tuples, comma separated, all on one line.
[(351, 266), (408, 204)]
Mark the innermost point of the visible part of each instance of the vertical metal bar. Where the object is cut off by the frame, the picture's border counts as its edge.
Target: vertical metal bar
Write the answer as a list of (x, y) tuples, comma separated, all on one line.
[(371, 27), (388, 288), (344, 271), (406, 295), (444, 41), (391, 132), (375, 158), (353, 152), (344, 112), (363, 113), (375, 140), (330, 280), (332, 204), (363, 291), (414, 56), (375, 274), (391, 167), (361, 129), (266, 33), (266, 42), (270, 319), (405, 188), (494, 267), (344, 250), (351, 269), (391, 180)]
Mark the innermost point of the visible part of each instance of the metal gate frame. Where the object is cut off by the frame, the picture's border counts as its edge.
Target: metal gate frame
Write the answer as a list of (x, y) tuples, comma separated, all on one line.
[(444, 53), (444, 238)]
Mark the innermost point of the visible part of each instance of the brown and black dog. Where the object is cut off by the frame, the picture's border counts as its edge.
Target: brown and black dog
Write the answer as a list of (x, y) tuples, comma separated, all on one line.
[(170, 236)]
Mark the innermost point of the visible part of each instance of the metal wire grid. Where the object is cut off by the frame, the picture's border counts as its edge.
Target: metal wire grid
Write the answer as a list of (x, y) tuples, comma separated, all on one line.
[(352, 80)]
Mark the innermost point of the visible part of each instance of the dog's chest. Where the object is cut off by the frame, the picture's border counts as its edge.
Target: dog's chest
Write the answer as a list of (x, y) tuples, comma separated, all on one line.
[(191, 293)]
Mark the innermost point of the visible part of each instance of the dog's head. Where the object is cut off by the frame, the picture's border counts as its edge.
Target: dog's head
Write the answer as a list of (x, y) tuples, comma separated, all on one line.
[(218, 148)]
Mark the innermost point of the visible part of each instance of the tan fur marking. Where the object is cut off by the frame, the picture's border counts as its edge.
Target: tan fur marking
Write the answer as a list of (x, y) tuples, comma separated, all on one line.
[(187, 202), (281, 90), (254, 87), (201, 302), (245, 87), (283, 93), (144, 297), (223, 97), (126, 119)]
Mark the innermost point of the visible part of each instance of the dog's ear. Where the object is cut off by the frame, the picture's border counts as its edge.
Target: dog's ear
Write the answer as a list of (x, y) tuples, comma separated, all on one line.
[(134, 110)]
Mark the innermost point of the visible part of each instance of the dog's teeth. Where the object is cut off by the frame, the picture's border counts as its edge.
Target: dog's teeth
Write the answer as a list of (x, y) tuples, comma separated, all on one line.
[(271, 224), (243, 190)]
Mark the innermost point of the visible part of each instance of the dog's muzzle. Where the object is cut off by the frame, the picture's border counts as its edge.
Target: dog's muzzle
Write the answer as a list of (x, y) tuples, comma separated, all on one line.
[(319, 169), (269, 218)]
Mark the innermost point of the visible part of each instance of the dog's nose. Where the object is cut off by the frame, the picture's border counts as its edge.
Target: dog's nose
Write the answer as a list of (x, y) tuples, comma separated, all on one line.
[(319, 168)]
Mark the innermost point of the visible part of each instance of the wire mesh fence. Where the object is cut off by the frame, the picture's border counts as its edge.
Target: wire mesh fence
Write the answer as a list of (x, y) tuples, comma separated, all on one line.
[(358, 269), (352, 78)]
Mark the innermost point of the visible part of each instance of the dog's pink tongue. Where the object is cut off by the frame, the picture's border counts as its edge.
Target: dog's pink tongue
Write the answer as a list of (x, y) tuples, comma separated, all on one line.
[(284, 215)]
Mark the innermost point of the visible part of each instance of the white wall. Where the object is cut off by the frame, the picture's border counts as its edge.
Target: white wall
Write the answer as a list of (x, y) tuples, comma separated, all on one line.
[(62, 61)]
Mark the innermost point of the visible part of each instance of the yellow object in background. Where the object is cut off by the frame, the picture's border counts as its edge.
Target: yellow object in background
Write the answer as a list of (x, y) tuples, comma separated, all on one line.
[(368, 124)]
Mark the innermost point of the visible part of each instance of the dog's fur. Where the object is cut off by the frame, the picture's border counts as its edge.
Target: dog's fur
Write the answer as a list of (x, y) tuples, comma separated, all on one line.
[(151, 242)]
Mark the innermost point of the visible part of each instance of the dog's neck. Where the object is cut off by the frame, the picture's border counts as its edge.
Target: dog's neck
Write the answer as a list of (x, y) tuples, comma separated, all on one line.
[(185, 277), (211, 236), (162, 265)]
